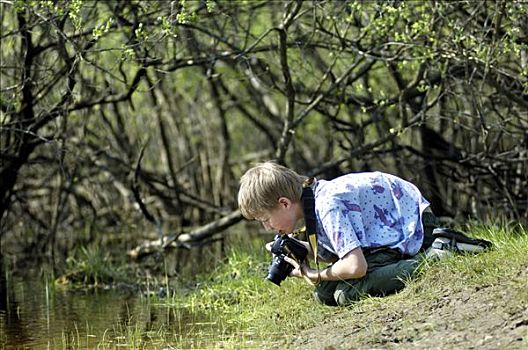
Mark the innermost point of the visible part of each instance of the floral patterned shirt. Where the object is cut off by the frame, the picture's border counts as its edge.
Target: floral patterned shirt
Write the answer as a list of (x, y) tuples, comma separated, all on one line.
[(368, 210)]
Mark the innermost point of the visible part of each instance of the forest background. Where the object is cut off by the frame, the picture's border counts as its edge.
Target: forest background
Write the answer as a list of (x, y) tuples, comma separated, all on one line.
[(140, 116)]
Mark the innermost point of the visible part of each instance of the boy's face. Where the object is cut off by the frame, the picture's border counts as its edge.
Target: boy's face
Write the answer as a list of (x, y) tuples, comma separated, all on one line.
[(283, 218)]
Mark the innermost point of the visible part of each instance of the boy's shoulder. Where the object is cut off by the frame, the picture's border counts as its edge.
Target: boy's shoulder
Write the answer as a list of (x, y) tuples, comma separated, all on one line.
[(352, 179)]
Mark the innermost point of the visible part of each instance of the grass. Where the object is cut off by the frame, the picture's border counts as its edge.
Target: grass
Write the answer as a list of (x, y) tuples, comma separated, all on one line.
[(91, 266), (506, 257), (245, 307), (234, 307), (256, 311)]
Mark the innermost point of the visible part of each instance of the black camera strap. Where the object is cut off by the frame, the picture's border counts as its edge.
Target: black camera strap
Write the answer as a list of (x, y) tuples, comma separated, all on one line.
[(308, 201)]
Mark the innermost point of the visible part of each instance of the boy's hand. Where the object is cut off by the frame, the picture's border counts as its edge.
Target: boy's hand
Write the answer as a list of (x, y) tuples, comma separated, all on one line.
[(297, 269), (304, 270)]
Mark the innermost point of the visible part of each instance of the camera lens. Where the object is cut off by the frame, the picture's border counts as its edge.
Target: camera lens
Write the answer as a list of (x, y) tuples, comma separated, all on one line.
[(279, 270)]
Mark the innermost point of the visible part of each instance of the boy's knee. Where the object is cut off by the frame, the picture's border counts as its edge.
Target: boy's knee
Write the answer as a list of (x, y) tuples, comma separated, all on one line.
[(324, 298), (324, 293), (340, 297), (346, 296)]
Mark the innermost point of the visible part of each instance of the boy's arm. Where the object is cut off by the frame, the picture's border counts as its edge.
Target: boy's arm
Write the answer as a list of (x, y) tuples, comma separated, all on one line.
[(352, 265)]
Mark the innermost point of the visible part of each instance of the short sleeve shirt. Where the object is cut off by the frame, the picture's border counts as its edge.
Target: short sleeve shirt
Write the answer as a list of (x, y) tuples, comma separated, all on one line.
[(368, 210)]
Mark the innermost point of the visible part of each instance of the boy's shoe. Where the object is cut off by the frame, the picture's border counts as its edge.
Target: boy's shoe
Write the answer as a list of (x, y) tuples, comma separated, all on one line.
[(448, 241), (459, 242), (441, 248)]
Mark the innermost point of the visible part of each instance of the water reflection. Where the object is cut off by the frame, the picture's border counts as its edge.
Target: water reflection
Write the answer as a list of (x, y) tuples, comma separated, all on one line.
[(35, 316)]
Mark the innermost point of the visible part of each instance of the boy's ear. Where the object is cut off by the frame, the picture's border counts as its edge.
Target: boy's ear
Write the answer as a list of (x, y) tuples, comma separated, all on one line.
[(285, 202)]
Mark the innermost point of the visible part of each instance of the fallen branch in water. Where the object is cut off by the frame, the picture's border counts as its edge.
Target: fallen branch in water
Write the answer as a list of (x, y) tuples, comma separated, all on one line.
[(199, 236)]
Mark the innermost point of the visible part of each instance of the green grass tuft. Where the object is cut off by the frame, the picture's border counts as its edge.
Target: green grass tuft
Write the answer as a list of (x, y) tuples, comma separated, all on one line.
[(91, 266)]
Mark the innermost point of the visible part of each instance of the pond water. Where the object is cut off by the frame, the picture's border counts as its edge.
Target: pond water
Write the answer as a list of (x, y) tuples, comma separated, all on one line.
[(37, 316)]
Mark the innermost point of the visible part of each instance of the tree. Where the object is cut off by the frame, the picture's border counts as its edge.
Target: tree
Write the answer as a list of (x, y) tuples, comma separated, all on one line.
[(432, 91)]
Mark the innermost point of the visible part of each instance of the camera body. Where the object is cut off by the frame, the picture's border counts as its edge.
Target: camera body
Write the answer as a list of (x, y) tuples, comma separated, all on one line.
[(284, 246)]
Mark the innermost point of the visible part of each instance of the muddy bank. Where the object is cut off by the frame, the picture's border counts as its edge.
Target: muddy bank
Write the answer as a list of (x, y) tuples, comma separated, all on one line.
[(477, 317)]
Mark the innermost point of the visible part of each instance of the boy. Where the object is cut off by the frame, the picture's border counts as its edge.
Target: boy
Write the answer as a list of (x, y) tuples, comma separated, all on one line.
[(368, 226)]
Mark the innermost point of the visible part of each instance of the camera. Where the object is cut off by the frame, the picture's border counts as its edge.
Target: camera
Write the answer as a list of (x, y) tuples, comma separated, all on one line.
[(284, 246)]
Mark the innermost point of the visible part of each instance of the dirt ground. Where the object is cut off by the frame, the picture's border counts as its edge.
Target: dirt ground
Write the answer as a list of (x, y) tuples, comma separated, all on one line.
[(484, 317)]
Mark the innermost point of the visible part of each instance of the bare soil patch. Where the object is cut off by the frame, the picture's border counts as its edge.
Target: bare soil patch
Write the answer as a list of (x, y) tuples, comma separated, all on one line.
[(483, 317)]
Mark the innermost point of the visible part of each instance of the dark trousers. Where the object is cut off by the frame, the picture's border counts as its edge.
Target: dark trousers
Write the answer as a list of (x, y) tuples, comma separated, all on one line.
[(430, 222), (386, 273)]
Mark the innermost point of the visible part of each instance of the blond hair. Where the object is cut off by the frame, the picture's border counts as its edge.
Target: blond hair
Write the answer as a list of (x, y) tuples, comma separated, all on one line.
[(263, 185)]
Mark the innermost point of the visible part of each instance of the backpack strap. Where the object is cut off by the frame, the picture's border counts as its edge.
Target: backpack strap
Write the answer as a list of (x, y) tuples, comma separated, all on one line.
[(308, 201)]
